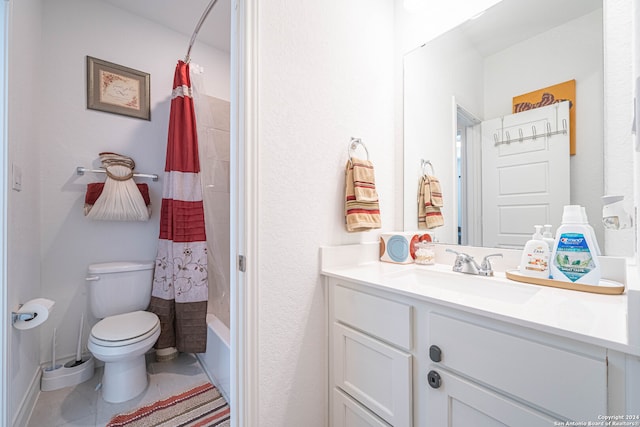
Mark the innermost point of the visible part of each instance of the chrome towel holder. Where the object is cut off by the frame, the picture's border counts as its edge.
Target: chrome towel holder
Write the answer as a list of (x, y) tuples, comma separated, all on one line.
[(81, 171), (353, 145), (424, 163)]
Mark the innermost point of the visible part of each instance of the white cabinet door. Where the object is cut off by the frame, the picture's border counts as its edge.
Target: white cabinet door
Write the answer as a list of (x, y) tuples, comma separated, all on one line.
[(567, 383), (349, 413), (460, 403), (373, 373)]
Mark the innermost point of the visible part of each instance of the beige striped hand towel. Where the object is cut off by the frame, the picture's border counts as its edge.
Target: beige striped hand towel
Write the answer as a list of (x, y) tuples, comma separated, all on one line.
[(429, 203), (364, 183), (362, 210)]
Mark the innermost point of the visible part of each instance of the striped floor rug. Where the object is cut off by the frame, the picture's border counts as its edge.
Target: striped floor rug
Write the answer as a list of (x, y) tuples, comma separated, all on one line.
[(202, 406)]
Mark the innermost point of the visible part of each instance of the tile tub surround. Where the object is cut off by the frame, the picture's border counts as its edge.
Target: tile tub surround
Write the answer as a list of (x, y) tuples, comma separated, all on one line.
[(214, 145), (591, 318)]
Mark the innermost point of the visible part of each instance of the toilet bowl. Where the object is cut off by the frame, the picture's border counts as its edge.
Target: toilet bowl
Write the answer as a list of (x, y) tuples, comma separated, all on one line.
[(118, 294), (121, 342)]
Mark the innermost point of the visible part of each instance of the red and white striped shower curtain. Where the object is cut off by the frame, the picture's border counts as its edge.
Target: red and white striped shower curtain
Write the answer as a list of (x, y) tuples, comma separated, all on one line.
[(180, 287)]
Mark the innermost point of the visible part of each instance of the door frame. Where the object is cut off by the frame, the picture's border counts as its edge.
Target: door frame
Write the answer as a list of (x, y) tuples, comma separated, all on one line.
[(244, 196), (4, 142), (471, 187), (244, 215)]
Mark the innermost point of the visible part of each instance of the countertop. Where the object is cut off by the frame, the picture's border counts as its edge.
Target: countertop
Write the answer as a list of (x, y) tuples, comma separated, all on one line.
[(592, 318)]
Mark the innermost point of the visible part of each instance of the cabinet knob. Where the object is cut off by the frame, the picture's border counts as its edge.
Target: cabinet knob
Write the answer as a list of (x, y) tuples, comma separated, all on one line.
[(434, 379), (435, 354)]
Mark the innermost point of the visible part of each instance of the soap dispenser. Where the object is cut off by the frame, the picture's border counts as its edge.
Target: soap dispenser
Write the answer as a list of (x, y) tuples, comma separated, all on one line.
[(535, 257), (547, 236)]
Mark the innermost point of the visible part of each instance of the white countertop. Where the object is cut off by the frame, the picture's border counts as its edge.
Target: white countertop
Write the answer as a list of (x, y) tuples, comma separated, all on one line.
[(592, 318)]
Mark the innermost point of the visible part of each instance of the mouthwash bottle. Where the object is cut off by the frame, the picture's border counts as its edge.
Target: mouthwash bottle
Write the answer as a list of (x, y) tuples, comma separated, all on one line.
[(575, 254)]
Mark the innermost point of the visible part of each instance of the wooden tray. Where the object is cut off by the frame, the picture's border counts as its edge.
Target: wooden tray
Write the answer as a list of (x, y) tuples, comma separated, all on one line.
[(608, 287)]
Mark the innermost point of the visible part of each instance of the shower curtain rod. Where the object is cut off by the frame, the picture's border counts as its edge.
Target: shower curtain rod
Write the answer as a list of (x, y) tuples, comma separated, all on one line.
[(187, 58)]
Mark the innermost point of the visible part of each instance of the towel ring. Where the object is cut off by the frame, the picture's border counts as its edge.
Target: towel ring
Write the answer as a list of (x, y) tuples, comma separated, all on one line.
[(424, 164), (353, 145)]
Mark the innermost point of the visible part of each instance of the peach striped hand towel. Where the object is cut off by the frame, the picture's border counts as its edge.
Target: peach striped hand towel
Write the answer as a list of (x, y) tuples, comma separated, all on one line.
[(429, 203), (362, 210), (364, 183)]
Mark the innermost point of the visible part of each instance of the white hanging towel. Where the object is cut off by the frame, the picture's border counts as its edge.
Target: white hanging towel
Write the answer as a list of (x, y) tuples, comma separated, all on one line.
[(120, 199)]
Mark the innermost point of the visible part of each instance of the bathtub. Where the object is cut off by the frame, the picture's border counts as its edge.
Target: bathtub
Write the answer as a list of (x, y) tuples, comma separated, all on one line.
[(217, 359)]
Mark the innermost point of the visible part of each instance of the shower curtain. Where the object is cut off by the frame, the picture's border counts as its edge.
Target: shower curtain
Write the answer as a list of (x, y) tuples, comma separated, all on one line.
[(180, 288)]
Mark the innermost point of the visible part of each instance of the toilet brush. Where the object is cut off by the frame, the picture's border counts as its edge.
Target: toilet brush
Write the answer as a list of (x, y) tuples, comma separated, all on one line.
[(73, 372), (78, 360), (53, 366)]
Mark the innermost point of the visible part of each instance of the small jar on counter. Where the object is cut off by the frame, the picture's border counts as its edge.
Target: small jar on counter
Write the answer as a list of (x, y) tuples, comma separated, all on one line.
[(425, 253)]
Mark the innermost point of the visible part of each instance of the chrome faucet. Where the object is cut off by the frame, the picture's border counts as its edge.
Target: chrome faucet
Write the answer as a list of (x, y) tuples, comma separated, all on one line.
[(465, 263)]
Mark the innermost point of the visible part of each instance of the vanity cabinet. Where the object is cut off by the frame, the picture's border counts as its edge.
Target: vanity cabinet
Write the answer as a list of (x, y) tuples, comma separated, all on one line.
[(371, 363), (395, 360), (567, 381)]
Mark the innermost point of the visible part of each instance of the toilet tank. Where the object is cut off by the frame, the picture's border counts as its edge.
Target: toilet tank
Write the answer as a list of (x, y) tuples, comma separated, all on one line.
[(119, 287)]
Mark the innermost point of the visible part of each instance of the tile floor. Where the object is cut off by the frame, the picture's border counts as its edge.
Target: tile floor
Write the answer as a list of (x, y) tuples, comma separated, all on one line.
[(82, 405)]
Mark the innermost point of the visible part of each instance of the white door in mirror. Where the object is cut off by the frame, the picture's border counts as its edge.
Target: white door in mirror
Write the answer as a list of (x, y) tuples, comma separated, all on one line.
[(525, 173)]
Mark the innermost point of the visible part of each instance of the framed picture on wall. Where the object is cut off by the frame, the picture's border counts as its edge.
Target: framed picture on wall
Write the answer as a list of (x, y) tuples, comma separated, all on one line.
[(565, 91), (117, 89)]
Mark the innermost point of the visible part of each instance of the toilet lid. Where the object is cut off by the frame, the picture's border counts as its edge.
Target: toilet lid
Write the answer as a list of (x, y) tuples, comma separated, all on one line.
[(125, 326)]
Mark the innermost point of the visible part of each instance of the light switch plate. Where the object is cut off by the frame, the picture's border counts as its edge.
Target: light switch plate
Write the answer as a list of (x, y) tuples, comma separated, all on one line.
[(16, 177)]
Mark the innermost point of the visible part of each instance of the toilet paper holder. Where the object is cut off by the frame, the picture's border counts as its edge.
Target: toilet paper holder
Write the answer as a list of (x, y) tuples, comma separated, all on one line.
[(32, 313), (22, 316)]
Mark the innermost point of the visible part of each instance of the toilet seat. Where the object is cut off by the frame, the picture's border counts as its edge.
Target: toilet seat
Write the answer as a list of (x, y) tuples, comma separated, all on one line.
[(125, 329)]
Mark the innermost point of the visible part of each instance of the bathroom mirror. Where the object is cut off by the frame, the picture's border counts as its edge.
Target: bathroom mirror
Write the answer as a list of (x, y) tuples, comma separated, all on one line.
[(471, 74)]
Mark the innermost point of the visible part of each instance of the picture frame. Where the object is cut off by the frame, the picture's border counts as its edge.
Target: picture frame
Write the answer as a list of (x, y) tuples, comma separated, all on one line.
[(117, 89), (565, 91)]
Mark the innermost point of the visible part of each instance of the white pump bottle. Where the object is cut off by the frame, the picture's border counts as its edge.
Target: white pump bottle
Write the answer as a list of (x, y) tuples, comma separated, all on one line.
[(535, 256), (547, 236)]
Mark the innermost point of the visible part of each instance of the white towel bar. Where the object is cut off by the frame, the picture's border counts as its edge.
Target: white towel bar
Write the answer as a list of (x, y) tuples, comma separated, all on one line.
[(81, 171)]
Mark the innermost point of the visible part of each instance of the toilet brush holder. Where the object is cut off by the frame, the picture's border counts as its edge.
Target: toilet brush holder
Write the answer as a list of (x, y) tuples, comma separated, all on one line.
[(71, 373)]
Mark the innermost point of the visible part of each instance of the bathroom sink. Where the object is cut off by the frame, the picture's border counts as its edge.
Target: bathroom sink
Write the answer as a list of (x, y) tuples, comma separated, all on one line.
[(440, 280)]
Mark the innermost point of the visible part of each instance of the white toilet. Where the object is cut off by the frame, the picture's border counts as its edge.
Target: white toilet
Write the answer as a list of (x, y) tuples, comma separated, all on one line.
[(118, 294)]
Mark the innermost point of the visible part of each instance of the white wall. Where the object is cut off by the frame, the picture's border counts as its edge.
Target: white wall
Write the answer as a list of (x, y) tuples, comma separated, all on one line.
[(636, 140), (51, 132), (23, 223), (618, 116), (428, 100), (326, 74)]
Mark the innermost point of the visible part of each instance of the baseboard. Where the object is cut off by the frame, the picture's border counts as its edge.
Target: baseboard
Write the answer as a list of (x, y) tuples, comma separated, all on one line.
[(28, 402)]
